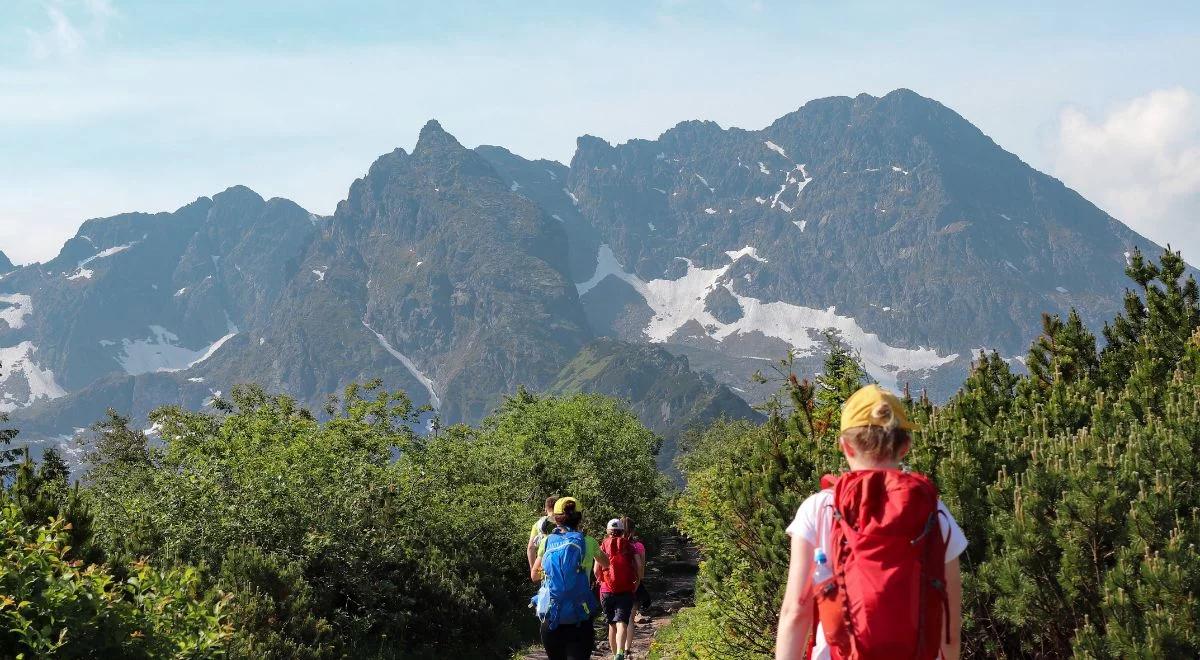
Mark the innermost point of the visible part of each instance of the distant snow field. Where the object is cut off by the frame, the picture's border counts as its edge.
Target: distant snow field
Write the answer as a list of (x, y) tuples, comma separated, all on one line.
[(161, 352), (19, 307), (23, 381), (676, 302), (747, 251)]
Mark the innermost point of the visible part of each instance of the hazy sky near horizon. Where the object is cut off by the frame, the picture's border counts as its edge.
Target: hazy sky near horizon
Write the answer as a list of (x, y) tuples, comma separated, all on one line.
[(109, 106)]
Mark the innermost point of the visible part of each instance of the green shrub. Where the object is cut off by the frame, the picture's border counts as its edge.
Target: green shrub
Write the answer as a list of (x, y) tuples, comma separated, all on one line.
[(354, 536), (53, 606), (1077, 485)]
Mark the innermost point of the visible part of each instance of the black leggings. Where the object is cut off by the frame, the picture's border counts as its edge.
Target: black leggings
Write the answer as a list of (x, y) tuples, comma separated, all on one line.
[(569, 642)]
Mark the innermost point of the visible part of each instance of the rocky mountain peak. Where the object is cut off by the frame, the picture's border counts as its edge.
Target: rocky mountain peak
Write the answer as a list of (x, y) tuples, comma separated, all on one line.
[(435, 138), (459, 274), (6, 265), (238, 195)]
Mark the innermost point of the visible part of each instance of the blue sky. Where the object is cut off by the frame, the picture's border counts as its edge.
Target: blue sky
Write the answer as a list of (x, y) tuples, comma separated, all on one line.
[(118, 105)]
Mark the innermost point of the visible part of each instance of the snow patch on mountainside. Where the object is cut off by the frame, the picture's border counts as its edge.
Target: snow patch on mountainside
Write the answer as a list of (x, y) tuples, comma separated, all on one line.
[(676, 302), (747, 251), (606, 264), (161, 352), (19, 307), (107, 253), (84, 273), (408, 364), (22, 381), (776, 148)]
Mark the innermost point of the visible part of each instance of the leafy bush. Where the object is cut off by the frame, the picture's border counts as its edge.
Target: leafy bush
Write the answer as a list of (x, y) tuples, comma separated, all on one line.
[(52, 606), (355, 536)]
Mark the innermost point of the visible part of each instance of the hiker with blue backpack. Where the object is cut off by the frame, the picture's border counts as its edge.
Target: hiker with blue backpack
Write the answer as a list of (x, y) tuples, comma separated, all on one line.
[(565, 603)]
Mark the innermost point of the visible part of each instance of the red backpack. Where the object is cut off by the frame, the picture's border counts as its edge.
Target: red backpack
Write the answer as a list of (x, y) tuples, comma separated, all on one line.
[(621, 576), (887, 597)]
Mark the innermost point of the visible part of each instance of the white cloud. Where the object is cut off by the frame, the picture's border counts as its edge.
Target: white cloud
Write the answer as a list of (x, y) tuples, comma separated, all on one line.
[(71, 26), (1141, 163)]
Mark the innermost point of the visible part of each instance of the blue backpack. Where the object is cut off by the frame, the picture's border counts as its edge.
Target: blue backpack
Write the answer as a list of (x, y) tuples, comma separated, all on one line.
[(565, 596)]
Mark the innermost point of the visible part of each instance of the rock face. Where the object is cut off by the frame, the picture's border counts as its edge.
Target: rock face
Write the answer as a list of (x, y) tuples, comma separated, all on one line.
[(432, 275), (657, 270), (892, 220), (141, 294)]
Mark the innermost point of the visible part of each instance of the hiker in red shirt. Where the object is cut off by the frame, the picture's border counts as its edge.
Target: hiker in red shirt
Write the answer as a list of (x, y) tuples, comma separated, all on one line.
[(618, 582), (874, 570)]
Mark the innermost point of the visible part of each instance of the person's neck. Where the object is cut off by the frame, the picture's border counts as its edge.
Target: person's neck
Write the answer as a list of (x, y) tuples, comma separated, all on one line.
[(856, 465)]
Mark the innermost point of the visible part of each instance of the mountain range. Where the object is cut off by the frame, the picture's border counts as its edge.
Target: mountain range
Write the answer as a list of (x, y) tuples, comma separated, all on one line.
[(662, 271)]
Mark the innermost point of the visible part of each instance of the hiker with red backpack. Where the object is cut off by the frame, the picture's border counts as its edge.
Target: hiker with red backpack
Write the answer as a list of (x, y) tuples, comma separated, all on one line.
[(874, 569), (641, 597), (565, 603), (618, 582)]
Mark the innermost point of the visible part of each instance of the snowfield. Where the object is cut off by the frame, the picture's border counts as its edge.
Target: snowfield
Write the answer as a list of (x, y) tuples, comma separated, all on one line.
[(20, 306), (676, 302), (23, 382), (161, 352)]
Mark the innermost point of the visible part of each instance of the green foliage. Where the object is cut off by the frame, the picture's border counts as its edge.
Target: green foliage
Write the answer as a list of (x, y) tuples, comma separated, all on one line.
[(355, 536), (1076, 486), (53, 606), (9, 456)]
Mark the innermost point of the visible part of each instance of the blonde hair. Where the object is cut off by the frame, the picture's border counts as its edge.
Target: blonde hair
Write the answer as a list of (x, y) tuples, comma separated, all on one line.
[(882, 442), (884, 417)]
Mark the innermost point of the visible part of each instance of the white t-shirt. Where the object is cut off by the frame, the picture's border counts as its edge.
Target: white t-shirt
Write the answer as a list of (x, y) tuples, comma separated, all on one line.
[(814, 523)]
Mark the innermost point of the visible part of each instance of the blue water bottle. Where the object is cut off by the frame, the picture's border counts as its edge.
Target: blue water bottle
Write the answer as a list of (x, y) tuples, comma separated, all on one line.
[(821, 571)]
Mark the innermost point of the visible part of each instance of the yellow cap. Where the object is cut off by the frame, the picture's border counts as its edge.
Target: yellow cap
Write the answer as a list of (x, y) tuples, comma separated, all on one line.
[(874, 406), (561, 504)]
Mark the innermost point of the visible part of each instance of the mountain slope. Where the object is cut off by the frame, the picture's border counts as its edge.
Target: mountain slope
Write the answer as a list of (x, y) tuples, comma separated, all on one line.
[(458, 275), (433, 276), (140, 293), (892, 220), (661, 389)]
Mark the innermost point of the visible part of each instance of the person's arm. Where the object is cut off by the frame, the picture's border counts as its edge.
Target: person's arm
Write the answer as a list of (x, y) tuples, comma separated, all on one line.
[(601, 558), (535, 571), (796, 615), (640, 562), (531, 550), (953, 648)]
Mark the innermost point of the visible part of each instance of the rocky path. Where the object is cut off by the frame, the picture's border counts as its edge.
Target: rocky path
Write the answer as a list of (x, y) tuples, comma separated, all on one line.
[(671, 579)]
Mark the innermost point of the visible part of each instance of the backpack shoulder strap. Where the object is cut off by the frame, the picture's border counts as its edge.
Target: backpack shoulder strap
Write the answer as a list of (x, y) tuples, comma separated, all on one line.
[(829, 481)]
